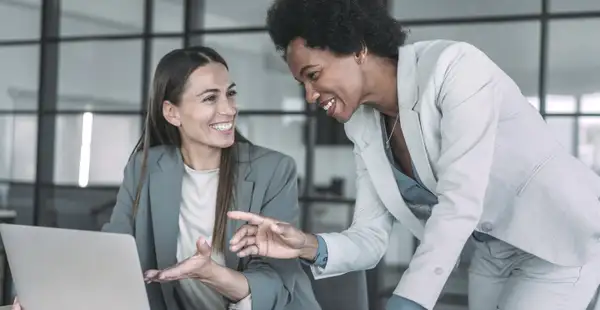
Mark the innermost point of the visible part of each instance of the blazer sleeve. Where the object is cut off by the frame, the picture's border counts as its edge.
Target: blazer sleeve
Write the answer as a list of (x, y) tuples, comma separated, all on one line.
[(121, 219), (469, 101), (361, 246), (272, 281)]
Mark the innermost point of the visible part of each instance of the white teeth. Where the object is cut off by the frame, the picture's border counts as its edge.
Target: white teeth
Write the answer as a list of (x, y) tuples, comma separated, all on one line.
[(222, 126), (329, 104)]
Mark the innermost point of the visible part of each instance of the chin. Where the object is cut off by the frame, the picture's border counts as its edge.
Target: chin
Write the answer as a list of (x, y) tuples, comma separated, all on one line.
[(224, 143)]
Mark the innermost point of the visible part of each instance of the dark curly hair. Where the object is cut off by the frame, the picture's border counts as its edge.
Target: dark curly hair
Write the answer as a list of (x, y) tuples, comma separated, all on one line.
[(341, 26)]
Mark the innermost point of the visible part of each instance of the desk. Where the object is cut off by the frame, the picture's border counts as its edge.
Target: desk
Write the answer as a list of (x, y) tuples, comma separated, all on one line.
[(6, 216)]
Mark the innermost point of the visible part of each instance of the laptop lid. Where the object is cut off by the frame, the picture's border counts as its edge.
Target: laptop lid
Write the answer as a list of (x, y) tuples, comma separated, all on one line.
[(63, 269)]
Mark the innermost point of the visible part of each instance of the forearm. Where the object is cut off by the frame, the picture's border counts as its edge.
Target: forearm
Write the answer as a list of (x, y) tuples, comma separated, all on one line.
[(228, 282)]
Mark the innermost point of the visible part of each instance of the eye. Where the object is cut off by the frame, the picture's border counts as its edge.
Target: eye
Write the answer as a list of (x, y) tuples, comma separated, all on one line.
[(313, 76), (211, 98), (232, 93)]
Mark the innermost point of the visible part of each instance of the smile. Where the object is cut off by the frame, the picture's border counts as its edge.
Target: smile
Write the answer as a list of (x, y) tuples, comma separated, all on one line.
[(328, 104), (222, 126)]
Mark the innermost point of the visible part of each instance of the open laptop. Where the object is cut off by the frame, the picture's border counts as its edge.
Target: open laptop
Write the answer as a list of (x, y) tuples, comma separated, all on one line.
[(62, 269)]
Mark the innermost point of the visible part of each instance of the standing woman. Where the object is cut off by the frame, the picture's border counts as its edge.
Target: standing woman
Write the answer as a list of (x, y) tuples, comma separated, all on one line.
[(188, 169), (447, 146)]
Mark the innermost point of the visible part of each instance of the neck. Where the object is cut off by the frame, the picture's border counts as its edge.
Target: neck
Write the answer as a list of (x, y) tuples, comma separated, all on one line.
[(382, 86), (201, 157)]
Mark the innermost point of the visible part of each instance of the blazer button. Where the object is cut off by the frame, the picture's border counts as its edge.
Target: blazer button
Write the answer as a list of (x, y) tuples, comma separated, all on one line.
[(438, 271), (487, 227)]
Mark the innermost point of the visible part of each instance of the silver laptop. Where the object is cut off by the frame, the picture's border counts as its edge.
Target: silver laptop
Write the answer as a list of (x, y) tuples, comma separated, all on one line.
[(62, 269)]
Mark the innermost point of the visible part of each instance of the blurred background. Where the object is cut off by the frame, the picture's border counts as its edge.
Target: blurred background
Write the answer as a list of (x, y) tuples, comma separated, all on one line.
[(74, 78)]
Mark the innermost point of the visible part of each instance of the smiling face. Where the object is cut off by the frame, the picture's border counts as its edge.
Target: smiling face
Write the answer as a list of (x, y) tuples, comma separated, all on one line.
[(207, 111), (333, 82)]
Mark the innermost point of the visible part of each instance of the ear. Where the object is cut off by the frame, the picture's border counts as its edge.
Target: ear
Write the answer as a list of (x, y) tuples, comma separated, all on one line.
[(171, 113), (361, 56)]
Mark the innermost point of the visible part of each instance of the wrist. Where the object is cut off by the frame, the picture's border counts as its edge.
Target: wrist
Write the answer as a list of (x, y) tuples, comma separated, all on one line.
[(309, 249)]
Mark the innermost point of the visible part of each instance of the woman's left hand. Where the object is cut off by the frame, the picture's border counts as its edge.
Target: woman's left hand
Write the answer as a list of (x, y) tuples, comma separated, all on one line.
[(198, 266)]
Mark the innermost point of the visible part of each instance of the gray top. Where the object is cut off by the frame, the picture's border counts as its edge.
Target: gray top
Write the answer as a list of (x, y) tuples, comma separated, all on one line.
[(420, 199)]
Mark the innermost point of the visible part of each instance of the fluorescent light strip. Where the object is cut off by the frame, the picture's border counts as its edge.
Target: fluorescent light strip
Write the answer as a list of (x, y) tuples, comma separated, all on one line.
[(86, 144)]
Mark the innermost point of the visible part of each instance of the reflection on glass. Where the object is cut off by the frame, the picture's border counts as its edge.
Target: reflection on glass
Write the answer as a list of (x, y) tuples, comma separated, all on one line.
[(430, 9), (92, 149), (101, 17), (561, 104), (102, 75), (573, 60), (20, 20), (590, 103), (168, 16), (520, 62), (19, 78), (589, 141), (262, 77), (18, 144)]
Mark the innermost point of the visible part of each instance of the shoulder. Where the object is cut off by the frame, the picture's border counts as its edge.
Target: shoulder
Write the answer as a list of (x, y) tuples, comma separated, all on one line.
[(265, 161), (155, 154)]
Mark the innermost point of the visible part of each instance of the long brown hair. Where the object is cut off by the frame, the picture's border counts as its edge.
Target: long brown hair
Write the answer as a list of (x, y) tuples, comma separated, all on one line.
[(169, 83)]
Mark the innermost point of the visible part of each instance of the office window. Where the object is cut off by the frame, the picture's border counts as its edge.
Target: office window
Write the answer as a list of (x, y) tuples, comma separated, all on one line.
[(106, 17), (20, 20), (168, 15), (589, 141), (19, 79), (262, 77), (100, 76), (573, 63), (434, 9), (272, 132), (92, 149), (18, 144), (235, 13), (160, 47), (574, 5), (517, 52), (590, 103), (561, 104)]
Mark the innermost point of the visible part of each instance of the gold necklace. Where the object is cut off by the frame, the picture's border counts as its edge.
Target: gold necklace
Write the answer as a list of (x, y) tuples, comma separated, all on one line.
[(387, 143)]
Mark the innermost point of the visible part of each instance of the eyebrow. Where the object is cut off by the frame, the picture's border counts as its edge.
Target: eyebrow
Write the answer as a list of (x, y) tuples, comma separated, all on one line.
[(216, 90)]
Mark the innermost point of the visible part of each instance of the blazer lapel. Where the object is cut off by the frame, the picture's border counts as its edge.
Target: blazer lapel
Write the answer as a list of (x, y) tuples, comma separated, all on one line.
[(411, 127), (165, 201), (243, 200), (383, 180), (408, 95)]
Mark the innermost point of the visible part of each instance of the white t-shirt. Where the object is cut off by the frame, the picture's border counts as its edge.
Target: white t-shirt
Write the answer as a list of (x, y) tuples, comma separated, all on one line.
[(197, 219)]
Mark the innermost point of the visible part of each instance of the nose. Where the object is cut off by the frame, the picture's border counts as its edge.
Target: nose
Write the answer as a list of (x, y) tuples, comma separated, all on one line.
[(227, 107), (310, 94)]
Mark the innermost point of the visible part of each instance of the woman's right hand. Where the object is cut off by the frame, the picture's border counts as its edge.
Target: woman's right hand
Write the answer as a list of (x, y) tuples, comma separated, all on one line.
[(271, 238)]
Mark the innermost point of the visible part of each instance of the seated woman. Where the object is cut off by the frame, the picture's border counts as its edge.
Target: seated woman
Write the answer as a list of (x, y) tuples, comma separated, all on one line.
[(191, 167)]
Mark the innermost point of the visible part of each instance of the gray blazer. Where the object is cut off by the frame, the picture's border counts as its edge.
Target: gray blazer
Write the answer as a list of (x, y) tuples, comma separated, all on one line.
[(266, 185)]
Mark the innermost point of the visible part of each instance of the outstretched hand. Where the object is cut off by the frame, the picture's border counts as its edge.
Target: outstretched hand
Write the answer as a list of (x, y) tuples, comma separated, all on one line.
[(266, 237), (197, 266)]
